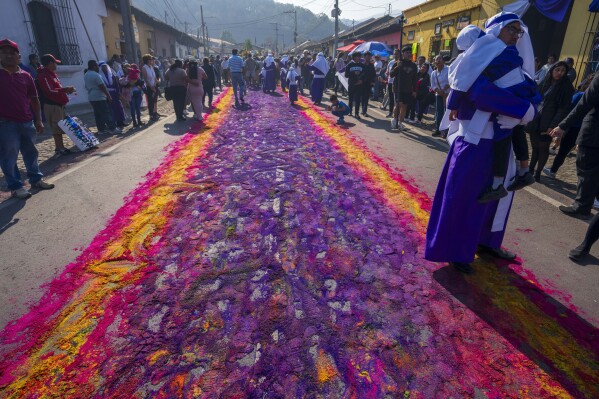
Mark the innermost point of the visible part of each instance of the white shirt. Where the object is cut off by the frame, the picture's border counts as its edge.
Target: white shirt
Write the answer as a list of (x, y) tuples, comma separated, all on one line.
[(440, 79), (225, 64), (389, 68), (378, 65), (150, 75)]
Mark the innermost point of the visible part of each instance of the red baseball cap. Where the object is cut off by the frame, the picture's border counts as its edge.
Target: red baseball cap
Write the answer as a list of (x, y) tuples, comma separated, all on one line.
[(9, 43), (48, 58)]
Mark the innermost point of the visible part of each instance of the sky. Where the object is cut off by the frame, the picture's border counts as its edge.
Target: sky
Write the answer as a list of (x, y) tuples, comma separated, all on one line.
[(355, 9)]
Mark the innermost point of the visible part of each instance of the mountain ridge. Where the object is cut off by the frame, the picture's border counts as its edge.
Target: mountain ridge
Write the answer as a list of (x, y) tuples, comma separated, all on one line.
[(256, 20)]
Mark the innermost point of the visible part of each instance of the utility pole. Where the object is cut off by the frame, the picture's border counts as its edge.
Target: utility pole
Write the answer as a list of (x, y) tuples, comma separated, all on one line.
[(203, 29), (336, 13), (207, 41), (130, 45), (276, 24), (295, 26)]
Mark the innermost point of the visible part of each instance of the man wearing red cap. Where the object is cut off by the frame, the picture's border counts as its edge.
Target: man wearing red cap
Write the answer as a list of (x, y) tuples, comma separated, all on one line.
[(53, 98), (17, 131)]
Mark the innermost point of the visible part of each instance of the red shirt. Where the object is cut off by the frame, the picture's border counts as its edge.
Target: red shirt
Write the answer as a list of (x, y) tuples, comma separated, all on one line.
[(51, 88), (16, 89)]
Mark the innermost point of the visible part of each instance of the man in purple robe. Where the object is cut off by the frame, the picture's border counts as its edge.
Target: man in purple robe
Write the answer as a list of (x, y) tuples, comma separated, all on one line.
[(459, 225), (320, 68), (269, 84)]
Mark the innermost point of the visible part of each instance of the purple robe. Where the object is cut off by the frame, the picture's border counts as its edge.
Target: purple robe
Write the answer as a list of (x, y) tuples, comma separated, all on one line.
[(270, 83), (458, 223), (318, 84), (116, 106)]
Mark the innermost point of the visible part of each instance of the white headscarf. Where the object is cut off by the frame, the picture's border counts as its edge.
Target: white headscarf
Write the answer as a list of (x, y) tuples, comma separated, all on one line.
[(321, 63), (284, 60), (464, 72), (497, 22), (292, 74), (106, 76), (468, 36), (269, 60)]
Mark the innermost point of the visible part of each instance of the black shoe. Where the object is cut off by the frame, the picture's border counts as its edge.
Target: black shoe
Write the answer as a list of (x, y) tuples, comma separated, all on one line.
[(519, 182), (181, 119), (463, 267), (497, 252), (436, 133), (574, 211), (358, 116), (135, 125), (491, 194), (578, 253), (390, 114), (140, 123)]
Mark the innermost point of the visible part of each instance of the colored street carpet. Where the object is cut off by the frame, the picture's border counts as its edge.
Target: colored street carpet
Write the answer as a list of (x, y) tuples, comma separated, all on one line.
[(271, 255)]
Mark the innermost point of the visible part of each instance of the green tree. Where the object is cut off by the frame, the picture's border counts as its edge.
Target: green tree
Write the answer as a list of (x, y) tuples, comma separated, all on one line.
[(247, 44), (227, 36)]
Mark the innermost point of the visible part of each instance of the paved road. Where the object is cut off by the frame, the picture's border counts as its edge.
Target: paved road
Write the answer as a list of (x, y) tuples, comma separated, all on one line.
[(270, 256)]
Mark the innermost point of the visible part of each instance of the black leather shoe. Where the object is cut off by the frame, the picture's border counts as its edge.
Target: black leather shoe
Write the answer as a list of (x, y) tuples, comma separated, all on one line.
[(497, 252), (463, 267), (519, 182), (491, 194), (574, 211), (578, 253)]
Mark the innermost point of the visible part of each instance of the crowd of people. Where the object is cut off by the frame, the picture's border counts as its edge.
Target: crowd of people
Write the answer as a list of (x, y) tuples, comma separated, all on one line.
[(485, 102)]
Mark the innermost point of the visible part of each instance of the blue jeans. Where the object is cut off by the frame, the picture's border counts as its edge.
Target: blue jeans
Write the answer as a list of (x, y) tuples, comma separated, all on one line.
[(238, 84), (15, 137), (340, 114), (439, 110), (135, 105), (103, 115)]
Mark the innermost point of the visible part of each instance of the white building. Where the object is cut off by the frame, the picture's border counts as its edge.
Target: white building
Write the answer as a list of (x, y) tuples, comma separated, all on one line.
[(71, 30)]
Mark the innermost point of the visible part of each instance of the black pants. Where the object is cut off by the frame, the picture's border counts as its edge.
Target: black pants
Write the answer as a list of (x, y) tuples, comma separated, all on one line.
[(568, 142), (391, 97), (152, 98), (422, 104), (501, 150), (339, 86), (365, 97), (587, 169), (540, 152), (179, 93), (208, 92), (411, 110), (355, 94), (592, 234)]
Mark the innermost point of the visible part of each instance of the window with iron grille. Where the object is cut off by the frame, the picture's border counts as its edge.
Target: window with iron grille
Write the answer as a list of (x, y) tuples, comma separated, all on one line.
[(53, 28)]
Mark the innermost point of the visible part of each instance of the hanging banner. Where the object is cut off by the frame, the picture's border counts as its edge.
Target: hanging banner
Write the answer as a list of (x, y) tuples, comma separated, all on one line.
[(553, 9)]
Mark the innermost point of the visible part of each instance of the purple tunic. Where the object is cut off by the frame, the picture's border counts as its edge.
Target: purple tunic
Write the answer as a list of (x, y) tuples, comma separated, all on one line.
[(270, 83), (318, 84), (458, 223)]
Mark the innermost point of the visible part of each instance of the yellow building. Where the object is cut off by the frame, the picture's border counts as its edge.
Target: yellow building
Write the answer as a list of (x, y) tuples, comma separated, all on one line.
[(113, 33), (435, 24)]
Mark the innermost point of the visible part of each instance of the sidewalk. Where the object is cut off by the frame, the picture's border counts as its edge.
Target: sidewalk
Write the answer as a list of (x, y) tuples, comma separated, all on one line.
[(52, 163)]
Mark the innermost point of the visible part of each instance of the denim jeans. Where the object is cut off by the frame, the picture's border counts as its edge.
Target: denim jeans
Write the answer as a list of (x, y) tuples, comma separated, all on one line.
[(439, 110), (340, 114), (15, 137), (135, 105), (238, 84), (103, 115)]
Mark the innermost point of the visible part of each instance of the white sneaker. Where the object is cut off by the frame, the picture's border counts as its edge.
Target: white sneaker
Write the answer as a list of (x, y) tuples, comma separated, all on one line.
[(117, 130), (596, 204), (552, 151), (549, 173), (394, 123), (400, 126), (21, 193)]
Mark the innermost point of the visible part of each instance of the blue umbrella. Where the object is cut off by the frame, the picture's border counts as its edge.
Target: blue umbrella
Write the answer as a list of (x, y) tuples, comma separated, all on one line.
[(383, 54), (373, 46)]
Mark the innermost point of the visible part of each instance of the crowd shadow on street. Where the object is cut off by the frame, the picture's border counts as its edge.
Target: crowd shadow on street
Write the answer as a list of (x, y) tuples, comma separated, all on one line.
[(548, 333), (7, 215)]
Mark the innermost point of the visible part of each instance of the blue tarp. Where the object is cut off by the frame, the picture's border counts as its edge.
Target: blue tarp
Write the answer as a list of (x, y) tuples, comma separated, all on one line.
[(594, 6)]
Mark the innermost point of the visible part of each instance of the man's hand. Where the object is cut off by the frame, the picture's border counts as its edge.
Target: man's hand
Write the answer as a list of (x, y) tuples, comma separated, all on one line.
[(453, 115), (557, 132), (414, 94), (39, 127), (69, 89), (109, 99)]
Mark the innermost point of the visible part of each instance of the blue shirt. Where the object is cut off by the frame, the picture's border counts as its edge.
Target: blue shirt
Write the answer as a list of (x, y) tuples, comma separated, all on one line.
[(93, 81), (235, 64)]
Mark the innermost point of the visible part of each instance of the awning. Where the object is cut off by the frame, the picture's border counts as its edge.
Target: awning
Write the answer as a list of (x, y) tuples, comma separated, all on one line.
[(350, 47), (553, 9)]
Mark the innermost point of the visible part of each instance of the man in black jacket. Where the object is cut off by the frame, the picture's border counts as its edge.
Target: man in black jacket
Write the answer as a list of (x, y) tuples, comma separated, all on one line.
[(587, 159), (405, 73), (354, 72), (369, 80)]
